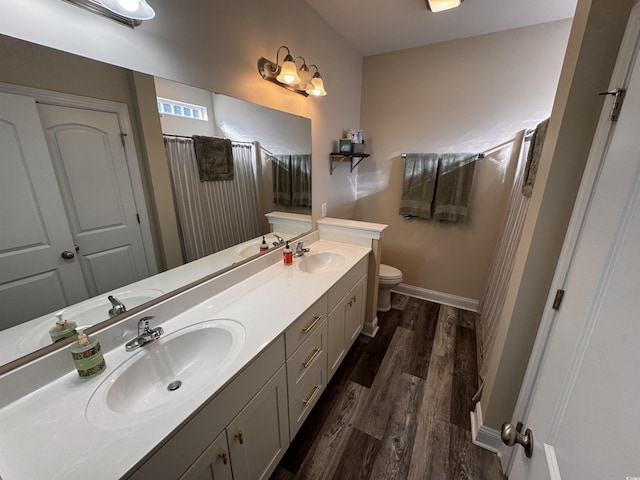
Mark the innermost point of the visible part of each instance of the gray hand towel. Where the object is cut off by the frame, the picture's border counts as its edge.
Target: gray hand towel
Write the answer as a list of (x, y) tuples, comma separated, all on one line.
[(215, 158), (533, 157), (419, 184), (453, 191)]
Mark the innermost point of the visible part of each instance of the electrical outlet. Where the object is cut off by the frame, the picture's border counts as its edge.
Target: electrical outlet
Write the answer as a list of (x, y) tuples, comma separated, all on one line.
[(324, 209)]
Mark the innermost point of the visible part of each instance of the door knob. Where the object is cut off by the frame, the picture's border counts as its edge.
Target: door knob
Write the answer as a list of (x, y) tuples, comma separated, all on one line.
[(510, 436), (67, 254)]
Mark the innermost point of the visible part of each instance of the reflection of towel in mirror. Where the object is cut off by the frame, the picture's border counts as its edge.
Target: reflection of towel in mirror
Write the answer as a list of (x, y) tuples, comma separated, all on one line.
[(281, 179), (533, 157), (301, 180), (215, 158), (418, 185), (455, 178)]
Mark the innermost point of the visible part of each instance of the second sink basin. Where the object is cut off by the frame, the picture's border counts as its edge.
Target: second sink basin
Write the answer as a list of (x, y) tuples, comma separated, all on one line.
[(164, 373), (321, 262)]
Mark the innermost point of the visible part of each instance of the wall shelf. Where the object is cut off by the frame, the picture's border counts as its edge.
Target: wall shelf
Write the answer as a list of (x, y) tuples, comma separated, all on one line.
[(336, 158)]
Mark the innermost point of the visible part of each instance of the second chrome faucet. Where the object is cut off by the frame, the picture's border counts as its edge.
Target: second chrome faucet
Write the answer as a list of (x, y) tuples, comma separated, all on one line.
[(146, 334)]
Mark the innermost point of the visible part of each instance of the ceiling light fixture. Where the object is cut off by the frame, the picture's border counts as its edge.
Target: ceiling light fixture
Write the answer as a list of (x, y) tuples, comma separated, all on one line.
[(136, 9), (128, 12), (441, 5), (289, 76)]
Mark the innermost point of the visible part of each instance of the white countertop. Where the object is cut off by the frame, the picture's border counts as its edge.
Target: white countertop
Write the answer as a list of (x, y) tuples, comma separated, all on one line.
[(46, 434), (29, 336)]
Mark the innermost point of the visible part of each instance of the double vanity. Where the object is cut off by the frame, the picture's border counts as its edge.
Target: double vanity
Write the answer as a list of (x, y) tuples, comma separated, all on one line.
[(241, 361)]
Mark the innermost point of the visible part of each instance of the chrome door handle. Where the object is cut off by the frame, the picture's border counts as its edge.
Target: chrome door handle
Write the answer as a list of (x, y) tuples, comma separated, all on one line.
[(510, 436), (67, 254)]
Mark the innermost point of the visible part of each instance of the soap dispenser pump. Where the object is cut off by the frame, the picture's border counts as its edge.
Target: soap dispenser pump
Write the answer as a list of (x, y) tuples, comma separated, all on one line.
[(263, 246), (87, 356), (62, 329)]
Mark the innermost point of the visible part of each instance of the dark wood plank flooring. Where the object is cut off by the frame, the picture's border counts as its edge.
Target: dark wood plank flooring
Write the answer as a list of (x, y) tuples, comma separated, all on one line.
[(398, 407)]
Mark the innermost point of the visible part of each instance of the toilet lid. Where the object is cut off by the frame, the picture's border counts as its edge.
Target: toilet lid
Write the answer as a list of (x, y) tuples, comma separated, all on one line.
[(388, 272)]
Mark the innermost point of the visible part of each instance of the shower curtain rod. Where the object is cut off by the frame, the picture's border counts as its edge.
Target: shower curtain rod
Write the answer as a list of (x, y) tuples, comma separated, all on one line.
[(237, 142), (527, 136)]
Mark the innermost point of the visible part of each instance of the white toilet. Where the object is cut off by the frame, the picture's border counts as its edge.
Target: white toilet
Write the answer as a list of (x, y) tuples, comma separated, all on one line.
[(388, 278)]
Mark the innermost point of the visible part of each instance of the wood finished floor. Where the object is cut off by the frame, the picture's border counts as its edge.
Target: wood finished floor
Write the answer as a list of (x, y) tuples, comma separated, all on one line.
[(398, 407)]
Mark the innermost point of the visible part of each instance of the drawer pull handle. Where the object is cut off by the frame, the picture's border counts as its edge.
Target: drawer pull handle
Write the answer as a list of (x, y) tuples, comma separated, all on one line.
[(316, 352), (240, 436), (223, 455), (316, 389), (313, 324), (350, 303), (353, 299)]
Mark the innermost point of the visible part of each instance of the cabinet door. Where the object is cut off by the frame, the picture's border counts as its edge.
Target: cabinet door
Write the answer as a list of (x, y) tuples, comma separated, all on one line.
[(259, 435), (213, 464), (354, 314), (335, 338)]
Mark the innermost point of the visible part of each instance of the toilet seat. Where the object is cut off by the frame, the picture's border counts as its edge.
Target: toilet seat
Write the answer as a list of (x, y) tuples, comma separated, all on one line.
[(389, 274)]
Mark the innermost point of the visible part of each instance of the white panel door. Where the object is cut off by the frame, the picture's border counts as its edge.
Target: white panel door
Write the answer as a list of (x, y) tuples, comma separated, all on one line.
[(34, 278), (91, 166), (584, 408)]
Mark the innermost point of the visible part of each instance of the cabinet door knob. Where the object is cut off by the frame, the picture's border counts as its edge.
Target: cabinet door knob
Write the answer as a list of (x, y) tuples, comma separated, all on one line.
[(353, 299), (240, 437), (223, 455)]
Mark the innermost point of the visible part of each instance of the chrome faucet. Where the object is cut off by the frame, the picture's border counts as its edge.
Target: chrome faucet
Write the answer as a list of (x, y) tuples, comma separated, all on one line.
[(146, 334), (279, 239), (117, 306), (300, 249)]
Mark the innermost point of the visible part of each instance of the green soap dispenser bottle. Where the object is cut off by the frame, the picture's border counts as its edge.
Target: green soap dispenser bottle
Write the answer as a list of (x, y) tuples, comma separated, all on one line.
[(87, 355)]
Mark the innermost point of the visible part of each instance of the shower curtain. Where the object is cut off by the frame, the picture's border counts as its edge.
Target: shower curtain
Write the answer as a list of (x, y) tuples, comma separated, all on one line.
[(213, 215), (493, 298)]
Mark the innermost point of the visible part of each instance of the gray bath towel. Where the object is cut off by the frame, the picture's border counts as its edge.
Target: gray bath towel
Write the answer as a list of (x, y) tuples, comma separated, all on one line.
[(301, 180), (533, 157), (215, 158), (453, 191), (418, 187), (280, 169)]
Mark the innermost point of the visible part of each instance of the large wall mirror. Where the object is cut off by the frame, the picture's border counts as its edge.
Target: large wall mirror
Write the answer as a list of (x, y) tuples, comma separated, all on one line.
[(98, 163)]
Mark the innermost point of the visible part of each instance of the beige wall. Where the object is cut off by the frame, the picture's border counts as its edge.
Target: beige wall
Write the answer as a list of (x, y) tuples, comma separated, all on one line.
[(593, 46), (461, 96), (215, 44)]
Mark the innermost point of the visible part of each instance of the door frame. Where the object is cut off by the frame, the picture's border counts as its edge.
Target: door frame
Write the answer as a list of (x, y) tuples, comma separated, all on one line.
[(629, 50), (124, 122)]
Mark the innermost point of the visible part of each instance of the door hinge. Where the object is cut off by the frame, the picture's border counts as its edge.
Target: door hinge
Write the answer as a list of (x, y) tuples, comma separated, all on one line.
[(558, 300), (138, 217), (618, 95), (122, 135)]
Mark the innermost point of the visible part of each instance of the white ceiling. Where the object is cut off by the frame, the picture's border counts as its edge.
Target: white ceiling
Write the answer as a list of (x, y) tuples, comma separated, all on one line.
[(380, 26)]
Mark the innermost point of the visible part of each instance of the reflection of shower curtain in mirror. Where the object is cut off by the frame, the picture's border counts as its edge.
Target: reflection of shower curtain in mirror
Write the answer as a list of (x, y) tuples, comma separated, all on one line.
[(216, 215)]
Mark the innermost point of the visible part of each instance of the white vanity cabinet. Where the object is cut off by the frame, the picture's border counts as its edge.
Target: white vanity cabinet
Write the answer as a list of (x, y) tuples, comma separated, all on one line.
[(346, 314), (240, 434), (306, 341)]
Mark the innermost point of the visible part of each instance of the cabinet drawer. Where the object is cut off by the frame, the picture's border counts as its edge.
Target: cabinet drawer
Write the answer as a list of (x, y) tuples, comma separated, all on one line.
[(305, 325), (308, 394), (306, 359), (346, 283)]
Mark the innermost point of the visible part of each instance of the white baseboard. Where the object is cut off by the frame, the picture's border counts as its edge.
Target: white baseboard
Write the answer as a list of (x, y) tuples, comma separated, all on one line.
[(370, 328), (483, 436), (438, 297)]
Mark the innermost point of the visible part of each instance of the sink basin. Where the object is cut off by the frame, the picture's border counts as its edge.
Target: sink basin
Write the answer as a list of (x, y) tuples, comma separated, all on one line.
[(85, 314), (321, 262), (163, 374)]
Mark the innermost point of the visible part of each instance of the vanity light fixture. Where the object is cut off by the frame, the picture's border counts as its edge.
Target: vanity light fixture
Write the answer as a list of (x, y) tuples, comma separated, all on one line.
[(441, 5), (128, 12), (289, 76)]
